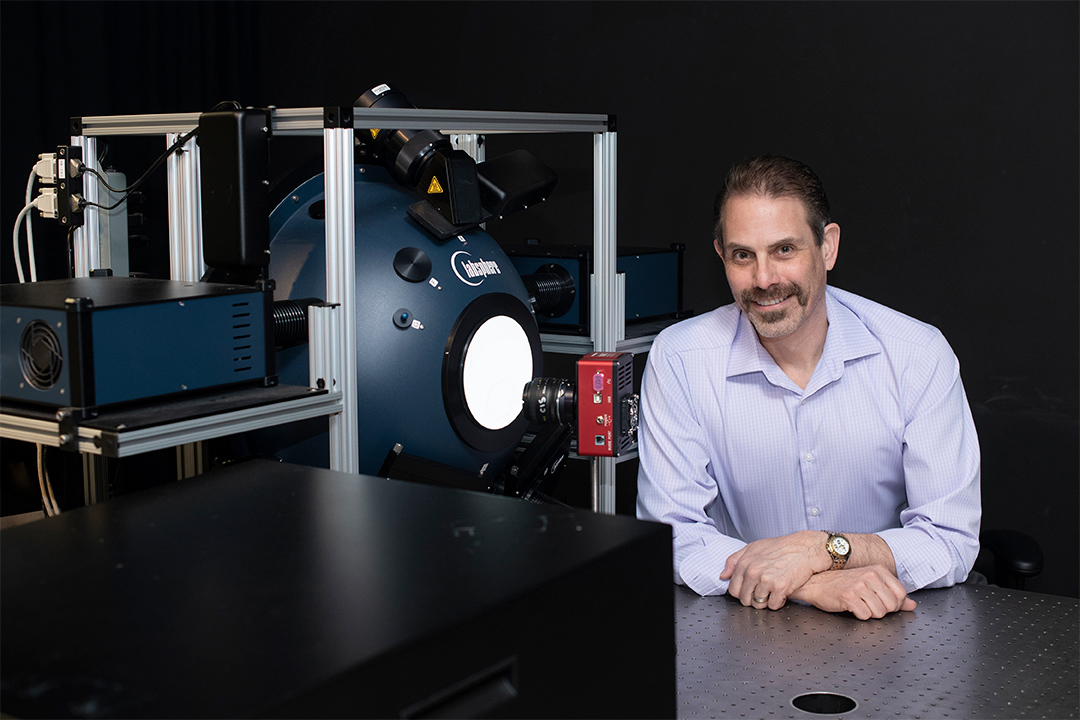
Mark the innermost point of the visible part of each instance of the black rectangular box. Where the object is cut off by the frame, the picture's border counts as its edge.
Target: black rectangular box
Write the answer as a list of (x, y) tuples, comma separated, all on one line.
[(275, 590), (234, 155)]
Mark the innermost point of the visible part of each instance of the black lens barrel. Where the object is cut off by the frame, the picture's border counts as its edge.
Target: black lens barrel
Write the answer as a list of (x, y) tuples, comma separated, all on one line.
[(549, 401)]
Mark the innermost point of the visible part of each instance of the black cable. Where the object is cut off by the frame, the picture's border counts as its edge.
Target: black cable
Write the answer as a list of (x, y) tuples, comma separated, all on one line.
[(226, 103), (70, 236), (131, 188), (101, 179), (87, 203)]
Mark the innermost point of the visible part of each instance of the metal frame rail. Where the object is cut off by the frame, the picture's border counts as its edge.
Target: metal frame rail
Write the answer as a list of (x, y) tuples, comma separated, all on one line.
[(332, 338), (124, 443)]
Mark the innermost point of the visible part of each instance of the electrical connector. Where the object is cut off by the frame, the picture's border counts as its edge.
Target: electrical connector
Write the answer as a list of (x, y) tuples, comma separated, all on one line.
[(70, 186), (51, 168), (47, 203), (45, 168)]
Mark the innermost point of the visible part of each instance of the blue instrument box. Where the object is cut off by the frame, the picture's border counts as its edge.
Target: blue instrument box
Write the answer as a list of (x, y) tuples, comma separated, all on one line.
[(90, 342)]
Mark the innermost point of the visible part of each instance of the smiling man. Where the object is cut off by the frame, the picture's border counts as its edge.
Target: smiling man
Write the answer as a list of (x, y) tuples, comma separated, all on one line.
[(805, 443)]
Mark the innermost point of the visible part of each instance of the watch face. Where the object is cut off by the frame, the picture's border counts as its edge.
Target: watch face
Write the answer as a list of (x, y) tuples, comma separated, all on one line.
[(841, 546)]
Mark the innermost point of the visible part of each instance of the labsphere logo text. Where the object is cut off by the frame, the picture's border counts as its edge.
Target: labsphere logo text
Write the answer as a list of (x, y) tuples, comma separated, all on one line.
[(473, 272)]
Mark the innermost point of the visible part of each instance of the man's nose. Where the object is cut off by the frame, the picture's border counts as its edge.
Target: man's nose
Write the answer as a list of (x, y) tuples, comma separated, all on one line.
[(765, 275)]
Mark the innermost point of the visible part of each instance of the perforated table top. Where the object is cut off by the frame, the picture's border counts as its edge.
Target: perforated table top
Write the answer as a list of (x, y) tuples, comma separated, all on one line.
[(965, 652)]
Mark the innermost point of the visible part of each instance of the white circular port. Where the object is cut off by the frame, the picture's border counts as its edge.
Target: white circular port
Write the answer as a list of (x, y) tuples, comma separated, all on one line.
[(498, 364)]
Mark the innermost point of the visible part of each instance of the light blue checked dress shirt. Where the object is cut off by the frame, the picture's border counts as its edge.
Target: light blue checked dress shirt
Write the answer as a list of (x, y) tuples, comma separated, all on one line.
[(880, 441)]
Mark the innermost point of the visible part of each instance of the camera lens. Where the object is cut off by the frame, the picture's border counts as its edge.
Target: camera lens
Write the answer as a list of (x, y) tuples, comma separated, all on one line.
[(549, 401)]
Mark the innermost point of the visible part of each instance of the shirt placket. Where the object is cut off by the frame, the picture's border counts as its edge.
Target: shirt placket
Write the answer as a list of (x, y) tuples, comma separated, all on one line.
[(806, 437)]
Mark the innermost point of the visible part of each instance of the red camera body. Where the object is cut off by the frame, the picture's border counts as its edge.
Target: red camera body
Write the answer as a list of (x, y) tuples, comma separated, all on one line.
[(606, 404)]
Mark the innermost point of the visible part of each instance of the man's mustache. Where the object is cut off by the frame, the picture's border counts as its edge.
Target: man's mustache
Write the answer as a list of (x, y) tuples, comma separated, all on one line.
[(757, 295)]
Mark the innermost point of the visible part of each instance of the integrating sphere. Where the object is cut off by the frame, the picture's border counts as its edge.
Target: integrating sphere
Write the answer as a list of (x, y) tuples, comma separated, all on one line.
[(446, 338)]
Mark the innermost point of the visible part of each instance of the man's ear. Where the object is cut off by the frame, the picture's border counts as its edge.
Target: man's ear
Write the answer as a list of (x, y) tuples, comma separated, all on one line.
[(830, 245), (718, 247)]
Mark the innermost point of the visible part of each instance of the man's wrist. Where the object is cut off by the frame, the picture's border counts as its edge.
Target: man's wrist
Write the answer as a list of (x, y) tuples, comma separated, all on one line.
[(820, 560)]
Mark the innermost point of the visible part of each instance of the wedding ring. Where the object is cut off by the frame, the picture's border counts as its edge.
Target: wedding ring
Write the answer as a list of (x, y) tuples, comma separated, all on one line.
[(761, 600)]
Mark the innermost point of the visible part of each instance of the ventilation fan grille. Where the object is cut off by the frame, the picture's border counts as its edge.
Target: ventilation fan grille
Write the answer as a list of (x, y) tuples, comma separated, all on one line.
[(40, 355)]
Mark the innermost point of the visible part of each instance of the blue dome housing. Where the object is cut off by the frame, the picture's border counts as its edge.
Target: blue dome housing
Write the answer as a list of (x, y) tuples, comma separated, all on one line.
[(445, 330)]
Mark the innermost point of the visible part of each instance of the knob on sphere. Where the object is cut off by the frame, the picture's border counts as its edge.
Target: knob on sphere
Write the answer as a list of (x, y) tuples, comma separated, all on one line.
[(412, 264)]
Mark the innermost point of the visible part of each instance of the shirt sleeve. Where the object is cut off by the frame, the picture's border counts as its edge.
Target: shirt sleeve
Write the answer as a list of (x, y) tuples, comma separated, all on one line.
[(939, 538), (674, 484)]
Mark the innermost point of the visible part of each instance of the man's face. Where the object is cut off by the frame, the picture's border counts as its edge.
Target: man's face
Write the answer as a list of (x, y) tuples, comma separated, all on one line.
[(774, 265)]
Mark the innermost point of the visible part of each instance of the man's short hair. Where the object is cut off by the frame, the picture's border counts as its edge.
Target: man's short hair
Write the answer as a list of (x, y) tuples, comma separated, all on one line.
[(775, 176)]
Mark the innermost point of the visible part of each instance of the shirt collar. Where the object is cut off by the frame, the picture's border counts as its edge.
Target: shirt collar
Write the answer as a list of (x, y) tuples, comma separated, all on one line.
[(747, 353), (847, 339)]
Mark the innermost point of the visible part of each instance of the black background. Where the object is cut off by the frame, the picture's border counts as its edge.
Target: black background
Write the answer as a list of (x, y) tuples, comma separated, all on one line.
[(946, 134)]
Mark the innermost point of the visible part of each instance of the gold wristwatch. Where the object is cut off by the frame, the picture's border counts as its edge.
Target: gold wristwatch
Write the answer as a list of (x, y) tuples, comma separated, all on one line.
[(839, 548)]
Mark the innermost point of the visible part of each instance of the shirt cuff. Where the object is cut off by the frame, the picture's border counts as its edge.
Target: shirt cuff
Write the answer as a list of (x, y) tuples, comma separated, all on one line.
[(700, 571), (920, 560)]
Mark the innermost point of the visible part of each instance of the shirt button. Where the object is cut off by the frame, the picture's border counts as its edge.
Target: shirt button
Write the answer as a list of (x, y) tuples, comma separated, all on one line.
[(808, 457), (814, 511)]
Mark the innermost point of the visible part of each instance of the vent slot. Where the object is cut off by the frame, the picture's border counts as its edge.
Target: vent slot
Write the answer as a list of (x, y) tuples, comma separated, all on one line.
[(241, 337)]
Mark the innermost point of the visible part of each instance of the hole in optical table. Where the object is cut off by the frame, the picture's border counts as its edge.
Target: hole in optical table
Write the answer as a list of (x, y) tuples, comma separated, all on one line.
[(824, 703)]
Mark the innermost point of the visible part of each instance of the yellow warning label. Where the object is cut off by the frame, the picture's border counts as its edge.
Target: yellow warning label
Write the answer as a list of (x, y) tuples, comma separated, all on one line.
[(374, 133), (434, 187)]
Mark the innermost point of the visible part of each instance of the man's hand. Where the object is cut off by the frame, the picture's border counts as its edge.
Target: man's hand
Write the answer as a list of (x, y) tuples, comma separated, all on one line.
[(766, 572), (867, 592)]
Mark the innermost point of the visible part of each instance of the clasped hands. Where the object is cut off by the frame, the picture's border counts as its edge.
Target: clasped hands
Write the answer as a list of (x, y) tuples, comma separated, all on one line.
[(766, 573)]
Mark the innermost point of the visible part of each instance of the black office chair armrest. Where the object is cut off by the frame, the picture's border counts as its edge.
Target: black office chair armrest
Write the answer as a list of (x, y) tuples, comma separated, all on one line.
[(1017, 556)]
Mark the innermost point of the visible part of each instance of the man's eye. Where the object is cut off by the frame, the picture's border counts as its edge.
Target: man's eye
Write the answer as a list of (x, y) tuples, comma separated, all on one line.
[(785, 249)]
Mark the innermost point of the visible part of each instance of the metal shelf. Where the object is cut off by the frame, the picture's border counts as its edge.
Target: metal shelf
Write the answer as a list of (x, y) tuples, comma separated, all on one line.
[(131, 431)]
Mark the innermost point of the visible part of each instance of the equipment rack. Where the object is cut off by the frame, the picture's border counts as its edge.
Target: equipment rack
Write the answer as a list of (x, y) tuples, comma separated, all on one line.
[(332, 328)]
